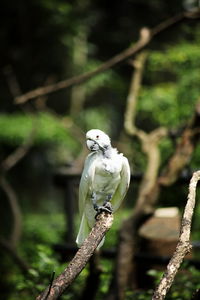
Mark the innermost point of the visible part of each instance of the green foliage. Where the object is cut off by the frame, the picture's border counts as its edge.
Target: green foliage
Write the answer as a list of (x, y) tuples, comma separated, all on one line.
[(185, 284), (158, 101), (183, 288), (45, 128), (175, 58), (95, 118), (47, 228), (169, 93), (108, 79), (40, 232), (172, 89)]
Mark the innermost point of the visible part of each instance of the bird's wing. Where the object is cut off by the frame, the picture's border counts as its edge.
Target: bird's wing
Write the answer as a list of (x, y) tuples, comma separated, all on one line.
[(86, 182), (123, 185)]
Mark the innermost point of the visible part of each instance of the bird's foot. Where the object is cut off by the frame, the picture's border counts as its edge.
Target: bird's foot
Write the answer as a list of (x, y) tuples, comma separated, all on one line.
[(106, 207)]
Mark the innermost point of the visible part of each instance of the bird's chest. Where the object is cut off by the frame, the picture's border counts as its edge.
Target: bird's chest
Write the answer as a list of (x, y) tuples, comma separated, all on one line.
[(106, 177), (107, 167)]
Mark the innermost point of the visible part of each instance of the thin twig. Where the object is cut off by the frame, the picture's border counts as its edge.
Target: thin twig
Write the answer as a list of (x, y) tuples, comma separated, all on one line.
[(12, 81), (145, 37), (50, 285), (102, 225), (183, 246), (11, 160)]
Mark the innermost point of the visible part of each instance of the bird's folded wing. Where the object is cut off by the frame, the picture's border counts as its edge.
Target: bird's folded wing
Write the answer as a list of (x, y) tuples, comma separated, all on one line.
[(123, 185), (86, 182)]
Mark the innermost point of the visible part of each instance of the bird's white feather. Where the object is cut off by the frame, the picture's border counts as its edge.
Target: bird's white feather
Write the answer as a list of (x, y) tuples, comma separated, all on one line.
[(104, 173)]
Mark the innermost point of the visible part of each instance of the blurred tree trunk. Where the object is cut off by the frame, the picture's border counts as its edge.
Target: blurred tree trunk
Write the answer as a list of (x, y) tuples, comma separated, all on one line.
[(150, 187)]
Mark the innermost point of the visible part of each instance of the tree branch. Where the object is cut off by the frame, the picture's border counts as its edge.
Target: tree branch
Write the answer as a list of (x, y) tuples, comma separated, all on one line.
[(149, 141), (143, 40), (145, 37), (77, 264), (15, 209), (144, 204), (184, 150), (183, 246), (11, 160), (131, 102)]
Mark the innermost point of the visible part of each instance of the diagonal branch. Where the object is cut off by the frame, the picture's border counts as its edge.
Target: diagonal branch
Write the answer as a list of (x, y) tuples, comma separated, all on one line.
[(146, 36), (183, 246), (184, 149), (77, 264), (143, 40), (11, 160)]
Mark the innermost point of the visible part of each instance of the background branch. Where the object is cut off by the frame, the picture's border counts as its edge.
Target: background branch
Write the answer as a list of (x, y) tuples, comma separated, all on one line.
[(145, 37), (15, 209), (183, 246), (11, 160), (128, 245)]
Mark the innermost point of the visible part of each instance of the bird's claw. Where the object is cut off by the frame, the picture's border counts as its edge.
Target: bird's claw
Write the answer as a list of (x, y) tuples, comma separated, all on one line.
[(104, 208)]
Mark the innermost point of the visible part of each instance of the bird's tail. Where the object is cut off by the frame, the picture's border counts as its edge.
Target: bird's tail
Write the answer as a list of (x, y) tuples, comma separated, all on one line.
[(84, 231)]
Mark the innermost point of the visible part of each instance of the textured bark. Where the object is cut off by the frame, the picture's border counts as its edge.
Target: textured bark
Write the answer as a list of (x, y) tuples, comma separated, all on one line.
[(79, 261), (183, 246)]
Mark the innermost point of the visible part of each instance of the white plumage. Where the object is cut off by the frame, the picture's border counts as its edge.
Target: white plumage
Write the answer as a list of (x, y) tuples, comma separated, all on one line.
[(105, 178)]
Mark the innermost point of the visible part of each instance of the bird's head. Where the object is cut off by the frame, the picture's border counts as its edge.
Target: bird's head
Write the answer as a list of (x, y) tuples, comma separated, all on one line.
[(97, 140)]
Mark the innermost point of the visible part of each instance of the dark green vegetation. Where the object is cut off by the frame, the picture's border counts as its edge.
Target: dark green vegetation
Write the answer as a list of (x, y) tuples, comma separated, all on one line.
[(43, 42)]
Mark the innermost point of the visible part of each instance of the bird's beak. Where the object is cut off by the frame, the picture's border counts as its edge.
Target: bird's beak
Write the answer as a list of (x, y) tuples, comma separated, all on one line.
[(92, 145)]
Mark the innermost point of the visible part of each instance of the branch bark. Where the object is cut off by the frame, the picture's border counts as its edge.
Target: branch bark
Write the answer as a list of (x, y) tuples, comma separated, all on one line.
[(183, 246), (146, 36), (102, 225)]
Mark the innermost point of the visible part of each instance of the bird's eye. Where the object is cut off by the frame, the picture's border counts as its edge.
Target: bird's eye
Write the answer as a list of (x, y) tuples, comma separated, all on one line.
[(97, 136)]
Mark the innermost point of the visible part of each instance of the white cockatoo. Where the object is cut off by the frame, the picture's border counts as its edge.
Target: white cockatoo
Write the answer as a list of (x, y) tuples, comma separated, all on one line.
[(104, 181)]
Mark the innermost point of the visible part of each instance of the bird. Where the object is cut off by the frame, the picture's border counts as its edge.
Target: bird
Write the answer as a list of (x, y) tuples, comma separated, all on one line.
[(104, 182)]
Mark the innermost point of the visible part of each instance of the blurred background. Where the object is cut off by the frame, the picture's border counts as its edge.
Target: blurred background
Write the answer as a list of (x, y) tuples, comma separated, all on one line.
[(42, 139)]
